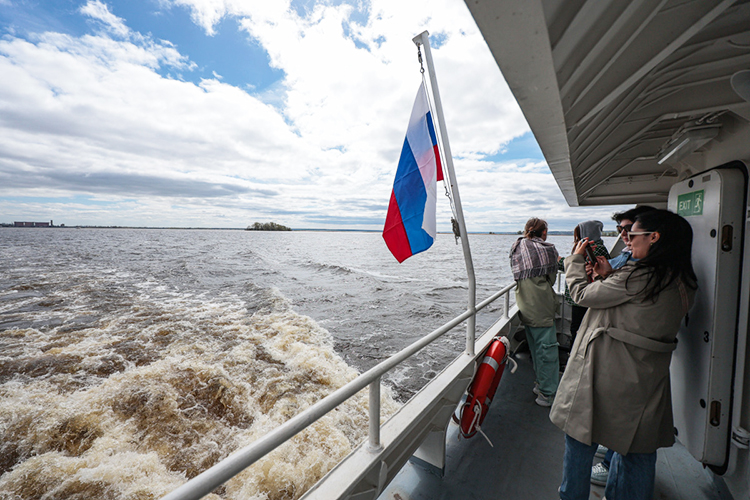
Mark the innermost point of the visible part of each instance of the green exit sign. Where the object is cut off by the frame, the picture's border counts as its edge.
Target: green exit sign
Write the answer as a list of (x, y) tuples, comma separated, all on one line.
[(690, 203)]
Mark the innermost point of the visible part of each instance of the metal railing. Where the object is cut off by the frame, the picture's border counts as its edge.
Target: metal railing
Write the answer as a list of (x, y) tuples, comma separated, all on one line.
[(207, 481)]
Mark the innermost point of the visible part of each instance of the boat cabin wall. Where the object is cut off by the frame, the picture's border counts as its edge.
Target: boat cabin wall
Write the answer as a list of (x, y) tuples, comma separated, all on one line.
[(711, 397), (713, 202), (737, 476)]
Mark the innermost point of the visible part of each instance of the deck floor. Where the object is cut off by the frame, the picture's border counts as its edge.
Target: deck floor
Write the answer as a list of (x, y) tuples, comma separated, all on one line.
[(526, 460)]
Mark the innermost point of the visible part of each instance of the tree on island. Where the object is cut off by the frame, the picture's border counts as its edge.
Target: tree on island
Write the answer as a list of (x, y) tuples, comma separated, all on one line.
[(267, 226)]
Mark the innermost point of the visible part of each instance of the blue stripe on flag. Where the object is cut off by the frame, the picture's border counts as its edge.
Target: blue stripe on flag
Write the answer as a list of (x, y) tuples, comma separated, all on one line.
[(433, 137), (411, 197)]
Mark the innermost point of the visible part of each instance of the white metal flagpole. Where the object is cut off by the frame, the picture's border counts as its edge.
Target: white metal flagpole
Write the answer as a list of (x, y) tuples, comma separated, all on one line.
[(423, 40)]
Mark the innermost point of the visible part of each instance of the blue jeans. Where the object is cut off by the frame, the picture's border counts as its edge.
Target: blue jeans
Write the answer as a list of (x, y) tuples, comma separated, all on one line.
[(577, 461), (543, 346), (631, 476)]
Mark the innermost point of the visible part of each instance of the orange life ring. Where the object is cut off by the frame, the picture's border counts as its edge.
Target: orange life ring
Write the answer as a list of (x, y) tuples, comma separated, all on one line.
[(482, 389)]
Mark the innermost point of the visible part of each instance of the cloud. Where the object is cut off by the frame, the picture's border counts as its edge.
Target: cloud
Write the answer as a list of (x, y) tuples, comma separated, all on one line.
[(109, 116), (207, 13), (133, 184), (99, 11), (333, 83)]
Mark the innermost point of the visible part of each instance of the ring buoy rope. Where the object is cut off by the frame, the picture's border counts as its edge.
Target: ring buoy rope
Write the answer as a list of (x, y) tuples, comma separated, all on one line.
[(482, 389)]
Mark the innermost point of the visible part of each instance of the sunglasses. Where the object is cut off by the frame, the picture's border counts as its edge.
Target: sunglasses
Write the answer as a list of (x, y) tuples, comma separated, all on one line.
[(625, 228), (638, 233)]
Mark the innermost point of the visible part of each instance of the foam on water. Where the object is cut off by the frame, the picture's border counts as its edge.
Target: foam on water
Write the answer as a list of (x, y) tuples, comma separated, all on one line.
[(160, 387)]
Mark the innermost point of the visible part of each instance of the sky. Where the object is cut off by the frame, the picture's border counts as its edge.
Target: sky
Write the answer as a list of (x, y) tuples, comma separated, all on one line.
[(222, 113)]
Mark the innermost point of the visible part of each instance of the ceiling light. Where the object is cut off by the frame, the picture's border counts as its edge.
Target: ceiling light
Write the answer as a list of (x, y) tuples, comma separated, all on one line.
[(689, 141)]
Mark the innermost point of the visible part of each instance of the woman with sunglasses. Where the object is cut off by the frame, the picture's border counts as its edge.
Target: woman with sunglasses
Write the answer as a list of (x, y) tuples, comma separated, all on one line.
[(624, 220), (616, 390)]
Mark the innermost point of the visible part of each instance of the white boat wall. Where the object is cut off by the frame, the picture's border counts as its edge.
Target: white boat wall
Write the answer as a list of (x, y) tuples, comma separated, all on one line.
[(647, 102)]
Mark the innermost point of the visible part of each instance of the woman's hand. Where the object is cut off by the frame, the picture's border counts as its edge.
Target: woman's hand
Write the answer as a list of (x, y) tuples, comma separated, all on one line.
[(590, 270), (580, 248), (602, 267)]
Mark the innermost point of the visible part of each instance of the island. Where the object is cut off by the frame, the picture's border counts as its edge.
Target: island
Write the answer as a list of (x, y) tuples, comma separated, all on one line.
[(267, 226)]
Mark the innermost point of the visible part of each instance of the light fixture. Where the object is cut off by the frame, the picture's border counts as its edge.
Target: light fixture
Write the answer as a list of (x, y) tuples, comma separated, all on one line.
[(673, 151), (689, 141)]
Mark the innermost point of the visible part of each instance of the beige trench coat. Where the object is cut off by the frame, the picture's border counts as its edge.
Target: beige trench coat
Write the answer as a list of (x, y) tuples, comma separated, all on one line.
[(616, 390)]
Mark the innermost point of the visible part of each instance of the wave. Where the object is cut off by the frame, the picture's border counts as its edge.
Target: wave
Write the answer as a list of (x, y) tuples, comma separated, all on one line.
[(155, 386), (440, 291), (333, 268)]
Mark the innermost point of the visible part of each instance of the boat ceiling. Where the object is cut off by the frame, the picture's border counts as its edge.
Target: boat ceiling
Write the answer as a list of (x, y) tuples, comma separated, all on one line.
[(611, 87)]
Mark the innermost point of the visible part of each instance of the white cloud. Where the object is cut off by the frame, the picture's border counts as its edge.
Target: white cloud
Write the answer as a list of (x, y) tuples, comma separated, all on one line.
[(100, 11), (204, 13), (92, 117)]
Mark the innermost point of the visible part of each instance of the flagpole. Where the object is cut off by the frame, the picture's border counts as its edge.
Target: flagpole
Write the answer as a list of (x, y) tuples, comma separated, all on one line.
[(423, 39)]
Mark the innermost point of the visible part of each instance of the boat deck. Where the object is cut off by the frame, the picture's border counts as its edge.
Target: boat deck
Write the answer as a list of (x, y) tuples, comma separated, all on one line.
[(526, 460)]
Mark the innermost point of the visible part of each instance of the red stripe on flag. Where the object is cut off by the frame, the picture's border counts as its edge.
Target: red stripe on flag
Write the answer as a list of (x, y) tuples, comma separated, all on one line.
[(439, 165), (394, 232)]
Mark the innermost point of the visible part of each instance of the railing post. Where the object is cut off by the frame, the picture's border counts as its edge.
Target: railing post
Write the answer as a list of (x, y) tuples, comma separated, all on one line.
[(375, 415), (506, 308)]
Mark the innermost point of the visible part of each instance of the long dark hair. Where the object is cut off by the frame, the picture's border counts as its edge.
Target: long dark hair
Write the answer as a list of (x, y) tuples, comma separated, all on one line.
[(670, 257)]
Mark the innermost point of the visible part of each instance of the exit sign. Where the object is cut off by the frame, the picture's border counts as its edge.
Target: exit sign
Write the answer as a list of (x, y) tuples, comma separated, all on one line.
[(690, 203)]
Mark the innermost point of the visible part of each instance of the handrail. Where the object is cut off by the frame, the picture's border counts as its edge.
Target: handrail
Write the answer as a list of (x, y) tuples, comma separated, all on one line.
[(205, 482)]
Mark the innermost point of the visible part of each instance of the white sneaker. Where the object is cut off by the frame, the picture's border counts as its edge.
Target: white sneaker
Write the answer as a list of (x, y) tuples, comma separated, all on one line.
[(536, 389), (545, 401), (601, 451), (599, 474)]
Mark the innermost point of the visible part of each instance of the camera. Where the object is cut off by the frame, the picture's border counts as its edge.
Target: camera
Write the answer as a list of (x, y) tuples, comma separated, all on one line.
[(590, 253)]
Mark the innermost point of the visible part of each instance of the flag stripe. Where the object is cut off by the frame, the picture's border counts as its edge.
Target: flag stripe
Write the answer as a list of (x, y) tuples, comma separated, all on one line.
[(435, 148), (411, 197), (395, 234)]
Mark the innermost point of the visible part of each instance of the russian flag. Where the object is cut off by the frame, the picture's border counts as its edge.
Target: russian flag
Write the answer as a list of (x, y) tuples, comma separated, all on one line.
[(410, 223)]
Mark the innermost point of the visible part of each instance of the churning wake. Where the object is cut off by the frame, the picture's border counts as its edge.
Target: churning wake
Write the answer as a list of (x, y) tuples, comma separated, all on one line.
[(124, 392)]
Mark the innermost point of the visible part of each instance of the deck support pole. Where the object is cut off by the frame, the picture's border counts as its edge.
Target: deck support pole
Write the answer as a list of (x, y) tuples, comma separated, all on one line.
[(423, 40)]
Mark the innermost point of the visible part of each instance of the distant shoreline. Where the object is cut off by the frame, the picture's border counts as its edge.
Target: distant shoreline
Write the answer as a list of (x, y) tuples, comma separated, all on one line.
[(498, 233)]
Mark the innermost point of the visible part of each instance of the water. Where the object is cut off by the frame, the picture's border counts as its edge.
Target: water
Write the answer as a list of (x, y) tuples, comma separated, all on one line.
[(131, 360)]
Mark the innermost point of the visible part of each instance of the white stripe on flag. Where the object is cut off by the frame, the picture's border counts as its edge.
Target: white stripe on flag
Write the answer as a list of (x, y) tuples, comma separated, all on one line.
[(418, 136)]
